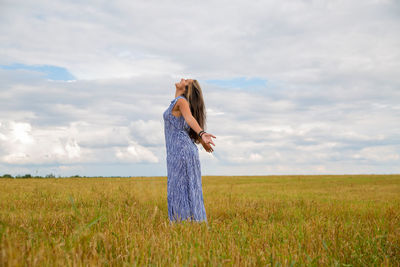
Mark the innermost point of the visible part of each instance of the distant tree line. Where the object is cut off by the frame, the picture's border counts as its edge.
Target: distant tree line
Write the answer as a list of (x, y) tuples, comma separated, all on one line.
[(26, 176)]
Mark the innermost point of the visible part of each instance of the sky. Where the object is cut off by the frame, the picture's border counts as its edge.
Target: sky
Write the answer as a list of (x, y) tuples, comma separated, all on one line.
[(290, 87)]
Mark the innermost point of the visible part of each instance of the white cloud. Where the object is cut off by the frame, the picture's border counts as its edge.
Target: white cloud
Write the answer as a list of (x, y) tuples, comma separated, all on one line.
[(20, 133), (79, 142), (148, 132), (330, 103), (135, 153), (379, 153)]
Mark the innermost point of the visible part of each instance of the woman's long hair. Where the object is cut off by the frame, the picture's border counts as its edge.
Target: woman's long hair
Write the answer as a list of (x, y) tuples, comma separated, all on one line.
[(194, 96)]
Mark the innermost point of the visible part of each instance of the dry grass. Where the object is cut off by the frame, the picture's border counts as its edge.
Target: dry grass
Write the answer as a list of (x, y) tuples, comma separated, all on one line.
[(347, 220)]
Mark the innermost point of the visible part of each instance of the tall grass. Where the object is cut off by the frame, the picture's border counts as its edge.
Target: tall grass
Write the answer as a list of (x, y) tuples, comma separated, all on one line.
[(347, 220)]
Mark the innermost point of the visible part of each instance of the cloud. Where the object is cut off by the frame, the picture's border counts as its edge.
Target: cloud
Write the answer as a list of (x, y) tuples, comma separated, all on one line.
[(379, 154), (135, 153), (77, 143), (289, 87), (119, 123), (148, 132)]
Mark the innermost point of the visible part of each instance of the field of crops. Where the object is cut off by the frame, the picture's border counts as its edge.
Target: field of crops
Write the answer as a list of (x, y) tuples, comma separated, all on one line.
[(331, 220)]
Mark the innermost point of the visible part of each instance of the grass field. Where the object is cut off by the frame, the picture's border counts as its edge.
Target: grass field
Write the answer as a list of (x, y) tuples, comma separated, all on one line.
[(331, 220)]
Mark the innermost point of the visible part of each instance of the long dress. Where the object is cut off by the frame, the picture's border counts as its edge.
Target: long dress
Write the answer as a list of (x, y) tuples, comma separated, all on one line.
[(184, 186)]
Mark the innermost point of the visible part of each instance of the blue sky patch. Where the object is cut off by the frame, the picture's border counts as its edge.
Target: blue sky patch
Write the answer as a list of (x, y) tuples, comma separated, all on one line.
[(52, 72), (240, 83)]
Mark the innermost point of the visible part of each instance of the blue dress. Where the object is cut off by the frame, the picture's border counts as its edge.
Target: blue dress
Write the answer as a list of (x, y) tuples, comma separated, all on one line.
[(185, 195)]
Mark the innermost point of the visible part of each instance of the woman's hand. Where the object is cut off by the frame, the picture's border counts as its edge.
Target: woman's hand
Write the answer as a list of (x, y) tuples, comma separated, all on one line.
[(206, 137), (207, 147)]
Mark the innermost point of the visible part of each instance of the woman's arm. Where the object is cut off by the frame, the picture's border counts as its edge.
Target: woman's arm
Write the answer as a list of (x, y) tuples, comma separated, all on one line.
[(184, 108)]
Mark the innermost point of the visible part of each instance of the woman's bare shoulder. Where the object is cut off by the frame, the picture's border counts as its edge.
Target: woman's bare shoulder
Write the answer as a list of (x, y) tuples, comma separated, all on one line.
[(182, 101), (183, 106)]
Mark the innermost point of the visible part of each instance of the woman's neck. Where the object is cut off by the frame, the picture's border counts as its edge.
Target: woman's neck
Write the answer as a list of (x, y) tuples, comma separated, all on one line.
[(178, 94)]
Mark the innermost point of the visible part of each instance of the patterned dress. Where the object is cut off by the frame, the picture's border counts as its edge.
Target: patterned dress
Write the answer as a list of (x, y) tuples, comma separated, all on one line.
[(185, 195)]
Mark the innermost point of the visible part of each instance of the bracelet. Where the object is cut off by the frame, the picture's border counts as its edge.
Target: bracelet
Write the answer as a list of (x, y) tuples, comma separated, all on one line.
[(201, 133)]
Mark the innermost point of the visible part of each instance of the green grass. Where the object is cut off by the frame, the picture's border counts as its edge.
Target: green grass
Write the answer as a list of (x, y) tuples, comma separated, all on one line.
[(331, 220)]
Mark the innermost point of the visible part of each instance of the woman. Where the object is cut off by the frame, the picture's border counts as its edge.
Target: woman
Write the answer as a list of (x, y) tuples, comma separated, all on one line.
[(184, 121)]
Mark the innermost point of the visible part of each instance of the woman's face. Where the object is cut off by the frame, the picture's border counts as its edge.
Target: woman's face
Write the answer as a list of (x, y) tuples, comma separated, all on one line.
[(183, 82)]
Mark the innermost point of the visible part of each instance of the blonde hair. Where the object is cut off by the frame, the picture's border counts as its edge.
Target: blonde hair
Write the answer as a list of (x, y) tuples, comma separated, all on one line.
[(194, 96)]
